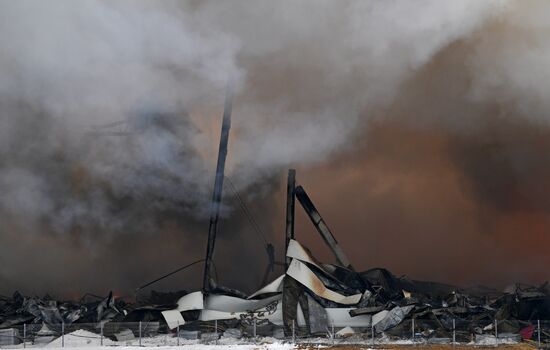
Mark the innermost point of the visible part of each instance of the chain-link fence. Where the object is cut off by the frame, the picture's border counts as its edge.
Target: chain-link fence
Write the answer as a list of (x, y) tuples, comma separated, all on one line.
[(411, 331)]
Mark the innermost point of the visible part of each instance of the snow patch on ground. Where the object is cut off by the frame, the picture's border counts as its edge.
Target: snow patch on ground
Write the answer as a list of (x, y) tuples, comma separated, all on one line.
[(275, 346), (86, 340), (80, 338)]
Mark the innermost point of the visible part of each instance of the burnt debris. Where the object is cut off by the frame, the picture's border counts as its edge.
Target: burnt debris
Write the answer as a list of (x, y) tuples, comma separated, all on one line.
[(308, 300)]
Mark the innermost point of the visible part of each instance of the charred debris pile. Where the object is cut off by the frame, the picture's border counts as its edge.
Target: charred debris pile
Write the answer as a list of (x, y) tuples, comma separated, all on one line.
[(90, 309), (312, 298)]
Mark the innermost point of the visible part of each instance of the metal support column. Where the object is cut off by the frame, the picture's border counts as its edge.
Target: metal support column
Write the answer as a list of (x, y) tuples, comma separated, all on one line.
[(322, 227), (290, 210), (217, 194)]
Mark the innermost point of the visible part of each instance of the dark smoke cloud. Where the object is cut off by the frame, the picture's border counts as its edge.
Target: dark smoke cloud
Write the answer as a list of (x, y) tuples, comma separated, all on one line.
[(406, 121)]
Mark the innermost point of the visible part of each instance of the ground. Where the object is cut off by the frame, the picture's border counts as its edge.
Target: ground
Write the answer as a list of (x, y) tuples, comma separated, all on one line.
[(521, 346), (281, 346)]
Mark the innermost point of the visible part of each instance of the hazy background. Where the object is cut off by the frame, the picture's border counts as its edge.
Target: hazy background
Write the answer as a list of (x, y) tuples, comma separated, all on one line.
[(420, 129)]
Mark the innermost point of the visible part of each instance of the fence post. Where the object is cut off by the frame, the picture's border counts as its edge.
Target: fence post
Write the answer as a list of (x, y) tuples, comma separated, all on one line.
[(293, 333), (139, 333), (372, 331), (62, 334), (178, 333), (454, 332), (332, 332), (24, 335), (496, 332), (101, 332), (412, 329), (254, 329), (538, 332), (216, 331)]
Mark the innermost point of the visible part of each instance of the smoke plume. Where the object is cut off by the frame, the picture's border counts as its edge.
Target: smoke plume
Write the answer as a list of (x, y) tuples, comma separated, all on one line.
[(427, 118)]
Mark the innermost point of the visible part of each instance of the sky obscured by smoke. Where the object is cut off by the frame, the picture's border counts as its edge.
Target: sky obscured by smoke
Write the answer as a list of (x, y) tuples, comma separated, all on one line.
[(419, 127)]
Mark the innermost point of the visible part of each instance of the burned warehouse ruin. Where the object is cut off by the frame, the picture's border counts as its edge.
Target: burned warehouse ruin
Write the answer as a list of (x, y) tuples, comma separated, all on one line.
[(310, 299)]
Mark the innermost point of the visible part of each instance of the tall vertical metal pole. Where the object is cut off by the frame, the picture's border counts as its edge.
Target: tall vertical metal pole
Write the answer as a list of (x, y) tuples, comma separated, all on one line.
[(25, 335), (218, 186), (290, 210)]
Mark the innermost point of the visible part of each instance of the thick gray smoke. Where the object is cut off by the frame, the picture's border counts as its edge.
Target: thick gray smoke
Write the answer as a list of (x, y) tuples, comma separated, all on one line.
[(306, 72), (109, 111)]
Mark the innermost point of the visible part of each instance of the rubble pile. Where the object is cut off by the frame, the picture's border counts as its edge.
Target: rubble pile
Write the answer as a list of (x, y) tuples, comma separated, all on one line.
[(310, 299), (435, 307), (19, 310)]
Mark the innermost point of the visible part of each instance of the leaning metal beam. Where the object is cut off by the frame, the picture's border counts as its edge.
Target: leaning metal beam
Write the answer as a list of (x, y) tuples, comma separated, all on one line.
[(290, 205), (218, 186), (322, 227)]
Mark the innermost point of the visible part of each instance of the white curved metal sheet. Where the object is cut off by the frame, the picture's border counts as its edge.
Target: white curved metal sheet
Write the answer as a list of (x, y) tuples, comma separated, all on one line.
[(301, 273)]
